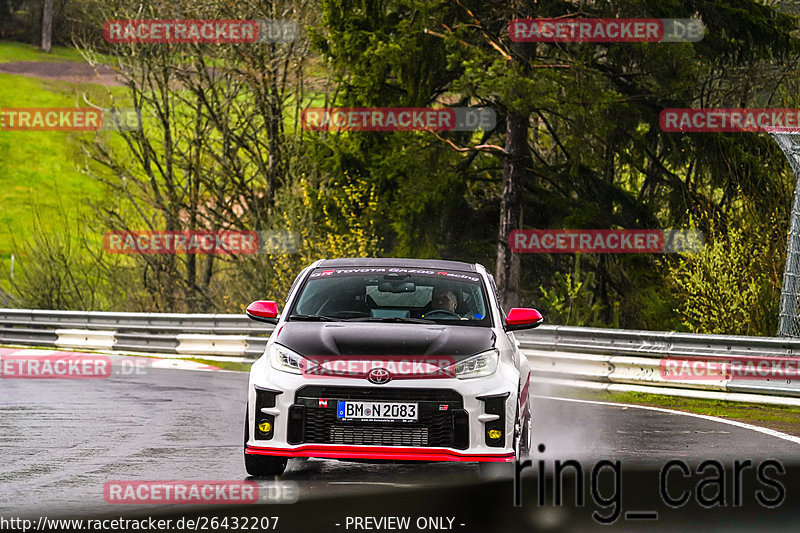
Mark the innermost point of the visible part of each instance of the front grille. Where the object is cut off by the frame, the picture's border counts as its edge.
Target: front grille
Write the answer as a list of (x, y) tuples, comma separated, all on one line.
[(381, 436), (434, 427)]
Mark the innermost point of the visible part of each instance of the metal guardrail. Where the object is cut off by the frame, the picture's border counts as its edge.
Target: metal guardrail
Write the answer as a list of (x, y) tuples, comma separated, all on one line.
[(195, 334), (164, 322), (606, 359)]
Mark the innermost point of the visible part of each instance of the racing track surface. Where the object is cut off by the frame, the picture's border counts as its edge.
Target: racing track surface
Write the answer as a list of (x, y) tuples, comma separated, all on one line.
[(61, 440)]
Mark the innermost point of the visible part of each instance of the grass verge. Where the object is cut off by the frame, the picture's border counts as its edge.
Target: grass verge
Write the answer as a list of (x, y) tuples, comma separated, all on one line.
[(13, 51), (40, 169), (224, 365)]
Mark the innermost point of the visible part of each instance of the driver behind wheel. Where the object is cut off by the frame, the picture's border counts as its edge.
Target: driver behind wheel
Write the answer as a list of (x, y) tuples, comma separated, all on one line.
[(444, 299)]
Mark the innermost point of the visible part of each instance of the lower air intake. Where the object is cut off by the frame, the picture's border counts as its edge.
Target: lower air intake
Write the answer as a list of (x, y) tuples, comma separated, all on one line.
[(380, 436)]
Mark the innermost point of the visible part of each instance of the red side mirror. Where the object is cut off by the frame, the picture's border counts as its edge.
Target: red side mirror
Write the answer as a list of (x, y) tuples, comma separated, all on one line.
[(263, 311), (523, 318)]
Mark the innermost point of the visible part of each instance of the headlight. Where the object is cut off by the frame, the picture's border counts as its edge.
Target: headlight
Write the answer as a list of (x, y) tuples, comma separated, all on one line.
[(483, 364), (282, 358)]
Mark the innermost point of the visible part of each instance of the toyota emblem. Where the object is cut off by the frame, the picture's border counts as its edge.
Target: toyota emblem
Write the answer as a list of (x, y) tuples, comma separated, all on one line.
[(379, 376)]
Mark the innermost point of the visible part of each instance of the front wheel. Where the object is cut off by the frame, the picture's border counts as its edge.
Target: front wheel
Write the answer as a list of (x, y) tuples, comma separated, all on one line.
[(261, 465), (526, 434)]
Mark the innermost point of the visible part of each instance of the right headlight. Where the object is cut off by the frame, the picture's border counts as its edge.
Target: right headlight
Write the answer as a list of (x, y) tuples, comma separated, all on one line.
[(284, 359), (483, 364)]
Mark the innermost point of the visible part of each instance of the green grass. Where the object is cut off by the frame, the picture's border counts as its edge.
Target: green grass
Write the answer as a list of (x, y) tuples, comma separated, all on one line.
[(224, 365), (39, 171), (37, 167), (12, 51)]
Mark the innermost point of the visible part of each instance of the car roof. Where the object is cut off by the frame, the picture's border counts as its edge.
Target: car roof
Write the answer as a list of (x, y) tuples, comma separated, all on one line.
[(396, 262)]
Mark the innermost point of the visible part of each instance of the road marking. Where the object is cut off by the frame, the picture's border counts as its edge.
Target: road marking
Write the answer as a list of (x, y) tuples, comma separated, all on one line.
[(766, 431), (382, 483)]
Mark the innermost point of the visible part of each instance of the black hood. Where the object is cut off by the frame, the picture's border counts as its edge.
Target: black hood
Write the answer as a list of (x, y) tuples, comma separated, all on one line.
[(326, 338)]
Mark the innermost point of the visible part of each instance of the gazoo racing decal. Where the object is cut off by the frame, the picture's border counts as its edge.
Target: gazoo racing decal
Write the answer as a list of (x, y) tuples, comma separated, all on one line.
[(325, 272)]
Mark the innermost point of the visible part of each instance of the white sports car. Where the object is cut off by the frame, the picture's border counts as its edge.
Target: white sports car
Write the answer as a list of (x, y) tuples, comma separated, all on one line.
[(389, 359)]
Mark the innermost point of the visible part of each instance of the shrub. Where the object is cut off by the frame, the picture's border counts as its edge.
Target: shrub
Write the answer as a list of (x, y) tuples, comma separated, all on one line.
[(733, 285)]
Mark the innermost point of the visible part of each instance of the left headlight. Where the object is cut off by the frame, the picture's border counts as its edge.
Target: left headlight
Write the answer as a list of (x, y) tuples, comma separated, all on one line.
[(282, 358), (483, 364)]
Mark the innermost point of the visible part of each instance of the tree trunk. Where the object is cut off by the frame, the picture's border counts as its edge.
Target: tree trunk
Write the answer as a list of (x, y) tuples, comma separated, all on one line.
[(5, 15), (515, 162), (511, 208), (47, 25)]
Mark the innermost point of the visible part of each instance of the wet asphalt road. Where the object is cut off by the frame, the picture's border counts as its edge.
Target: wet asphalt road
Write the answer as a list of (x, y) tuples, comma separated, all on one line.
[(62, 440)]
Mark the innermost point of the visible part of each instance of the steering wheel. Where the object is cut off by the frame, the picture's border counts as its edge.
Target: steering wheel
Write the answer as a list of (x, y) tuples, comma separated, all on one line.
[(448, 314)]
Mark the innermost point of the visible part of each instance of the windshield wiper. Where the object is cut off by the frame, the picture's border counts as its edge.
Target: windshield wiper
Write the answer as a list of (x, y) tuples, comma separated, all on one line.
[(391, 319), (313, 318)]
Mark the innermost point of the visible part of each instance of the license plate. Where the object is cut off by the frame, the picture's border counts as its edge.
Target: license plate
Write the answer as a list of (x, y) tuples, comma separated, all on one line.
[(376, 410)]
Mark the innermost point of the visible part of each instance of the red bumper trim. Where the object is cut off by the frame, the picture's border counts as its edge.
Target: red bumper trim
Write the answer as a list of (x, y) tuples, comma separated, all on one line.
[(334, 451)]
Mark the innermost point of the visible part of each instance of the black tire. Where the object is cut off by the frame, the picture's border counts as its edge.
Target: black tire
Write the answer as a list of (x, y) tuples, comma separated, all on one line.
[(261, 465), (526, 435), (522, 433)]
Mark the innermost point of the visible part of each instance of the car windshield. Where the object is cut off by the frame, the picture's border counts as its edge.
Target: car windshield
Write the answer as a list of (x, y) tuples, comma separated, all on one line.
[(393, 295)]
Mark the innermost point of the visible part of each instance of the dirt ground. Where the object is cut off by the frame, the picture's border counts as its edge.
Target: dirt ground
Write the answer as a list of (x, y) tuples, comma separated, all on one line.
[(65, 71)]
